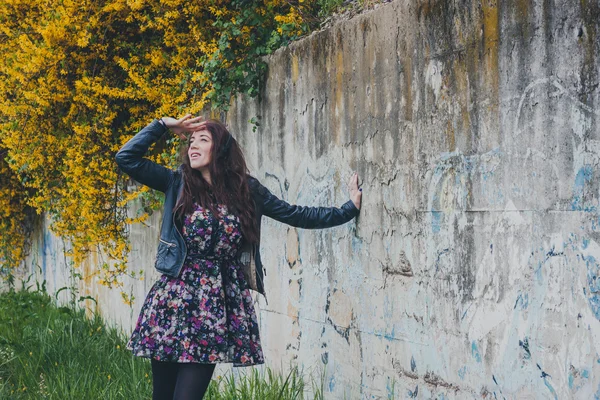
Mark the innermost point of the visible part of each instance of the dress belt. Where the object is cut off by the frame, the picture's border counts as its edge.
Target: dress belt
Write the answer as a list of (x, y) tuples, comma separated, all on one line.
[(209, 257)]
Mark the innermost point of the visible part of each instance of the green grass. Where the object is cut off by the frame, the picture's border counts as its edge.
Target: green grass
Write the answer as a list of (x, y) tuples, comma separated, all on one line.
[(256, 385), (51, 352)]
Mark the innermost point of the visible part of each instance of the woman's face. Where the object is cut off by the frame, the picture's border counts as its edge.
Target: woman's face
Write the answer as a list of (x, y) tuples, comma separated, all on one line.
[(200, 149)]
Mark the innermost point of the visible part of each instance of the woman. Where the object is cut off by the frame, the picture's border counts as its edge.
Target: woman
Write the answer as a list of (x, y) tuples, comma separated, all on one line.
[(200, 312)]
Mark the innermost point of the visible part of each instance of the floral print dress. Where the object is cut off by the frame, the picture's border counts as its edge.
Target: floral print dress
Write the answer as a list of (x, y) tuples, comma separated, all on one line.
[(206, 314)]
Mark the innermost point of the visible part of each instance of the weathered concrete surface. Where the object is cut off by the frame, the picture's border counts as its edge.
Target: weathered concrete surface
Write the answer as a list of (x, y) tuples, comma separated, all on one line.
[(472, 271)]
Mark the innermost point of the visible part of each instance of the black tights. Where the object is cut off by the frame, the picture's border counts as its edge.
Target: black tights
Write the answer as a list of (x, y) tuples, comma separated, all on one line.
[(179, 381)]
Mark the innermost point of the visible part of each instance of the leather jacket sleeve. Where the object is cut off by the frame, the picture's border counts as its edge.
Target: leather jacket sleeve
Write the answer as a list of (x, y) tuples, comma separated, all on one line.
[(130, 158), (301, 216)]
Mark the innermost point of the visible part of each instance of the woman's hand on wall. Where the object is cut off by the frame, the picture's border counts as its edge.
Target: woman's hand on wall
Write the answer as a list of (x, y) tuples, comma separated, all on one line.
[(355, 192), (187, 124)]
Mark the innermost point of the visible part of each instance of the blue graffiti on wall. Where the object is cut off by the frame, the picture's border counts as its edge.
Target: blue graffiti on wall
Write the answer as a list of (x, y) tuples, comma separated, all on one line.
[(593, 290), (584, 176), (475, 352)]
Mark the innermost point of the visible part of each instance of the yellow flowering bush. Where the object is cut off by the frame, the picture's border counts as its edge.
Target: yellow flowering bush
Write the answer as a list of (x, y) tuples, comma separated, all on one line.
[(13, 214), (80, 77)]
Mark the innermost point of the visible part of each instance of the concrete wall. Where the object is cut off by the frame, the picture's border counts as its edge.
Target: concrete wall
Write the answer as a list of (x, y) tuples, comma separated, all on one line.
[(473, 270)]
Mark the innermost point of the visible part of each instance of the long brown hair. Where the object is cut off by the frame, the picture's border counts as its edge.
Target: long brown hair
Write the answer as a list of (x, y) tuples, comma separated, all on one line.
[(229, 176)]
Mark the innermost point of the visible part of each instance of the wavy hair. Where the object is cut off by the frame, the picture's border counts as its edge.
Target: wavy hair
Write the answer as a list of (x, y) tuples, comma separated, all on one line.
[(229, 176)]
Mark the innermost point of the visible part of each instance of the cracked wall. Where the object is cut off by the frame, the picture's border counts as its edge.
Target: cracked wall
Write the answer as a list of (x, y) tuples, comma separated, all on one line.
[(473, 269)]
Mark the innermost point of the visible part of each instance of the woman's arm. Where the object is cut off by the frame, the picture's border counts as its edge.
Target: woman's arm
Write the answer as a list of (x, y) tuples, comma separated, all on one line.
[(130, 158), (307, 217)]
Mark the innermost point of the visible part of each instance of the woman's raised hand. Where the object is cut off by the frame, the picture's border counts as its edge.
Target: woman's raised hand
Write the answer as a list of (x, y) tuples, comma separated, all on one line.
[(355, 192), (187, 124)]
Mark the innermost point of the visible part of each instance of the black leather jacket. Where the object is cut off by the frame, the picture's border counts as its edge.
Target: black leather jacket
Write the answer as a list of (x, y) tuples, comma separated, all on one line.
[(172, 249)]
